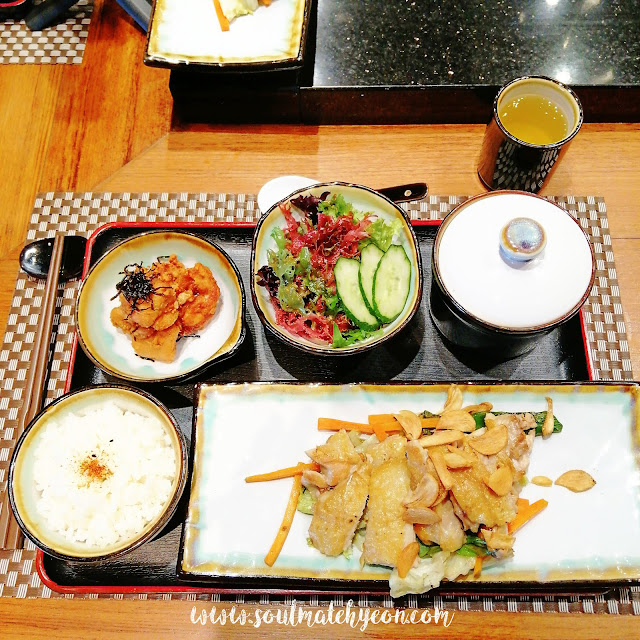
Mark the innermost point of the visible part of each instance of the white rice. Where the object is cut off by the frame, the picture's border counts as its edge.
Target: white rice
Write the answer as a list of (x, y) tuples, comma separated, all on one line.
[(132, 470)]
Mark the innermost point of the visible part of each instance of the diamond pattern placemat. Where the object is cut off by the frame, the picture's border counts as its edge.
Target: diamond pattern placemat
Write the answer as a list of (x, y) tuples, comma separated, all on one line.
[(61, 44), (83, 213)]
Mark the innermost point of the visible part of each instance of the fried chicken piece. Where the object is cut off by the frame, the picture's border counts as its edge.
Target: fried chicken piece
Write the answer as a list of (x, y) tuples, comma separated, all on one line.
[(477, 501), (473, 497), (156, 345), (158, 313), (389, 449), (387, 532), (180, 303), (338, 511), (448, 533), (337, 458), (201, 304)]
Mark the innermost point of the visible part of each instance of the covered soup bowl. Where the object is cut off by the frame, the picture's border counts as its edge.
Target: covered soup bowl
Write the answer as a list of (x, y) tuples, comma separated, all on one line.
[(508, 268)]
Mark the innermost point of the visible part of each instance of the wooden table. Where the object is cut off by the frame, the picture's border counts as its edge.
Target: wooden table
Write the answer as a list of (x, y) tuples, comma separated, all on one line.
[(107, 125)]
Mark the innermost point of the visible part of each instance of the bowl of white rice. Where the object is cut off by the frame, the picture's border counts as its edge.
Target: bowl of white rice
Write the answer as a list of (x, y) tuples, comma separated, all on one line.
[(98, 473)]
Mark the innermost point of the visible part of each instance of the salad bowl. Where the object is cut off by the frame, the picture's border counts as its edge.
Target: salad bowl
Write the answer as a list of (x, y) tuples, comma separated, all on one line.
[(335, 269)]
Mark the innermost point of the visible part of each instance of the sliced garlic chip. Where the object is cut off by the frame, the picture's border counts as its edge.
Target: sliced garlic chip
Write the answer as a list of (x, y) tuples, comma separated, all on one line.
[(491, 442), (454, 399), (576, 480), (457, 419), (410, 423)]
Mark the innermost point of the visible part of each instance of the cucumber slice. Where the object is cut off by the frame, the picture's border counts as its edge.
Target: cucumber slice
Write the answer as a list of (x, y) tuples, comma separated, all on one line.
[(391, 283), (369, 259), (346, 272)]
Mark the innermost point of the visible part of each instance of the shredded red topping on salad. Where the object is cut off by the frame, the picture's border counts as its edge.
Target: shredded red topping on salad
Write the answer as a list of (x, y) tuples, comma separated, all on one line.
[(329, 239), (311, 325)]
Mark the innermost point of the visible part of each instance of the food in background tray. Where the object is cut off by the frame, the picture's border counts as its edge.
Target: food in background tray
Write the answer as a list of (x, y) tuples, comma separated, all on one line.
[(335, 275), (227, 10), (433, 496), (163, 303)]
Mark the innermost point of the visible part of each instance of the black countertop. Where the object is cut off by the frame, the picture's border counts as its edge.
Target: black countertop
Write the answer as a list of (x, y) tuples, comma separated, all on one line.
[(466, 42), (404, 61)]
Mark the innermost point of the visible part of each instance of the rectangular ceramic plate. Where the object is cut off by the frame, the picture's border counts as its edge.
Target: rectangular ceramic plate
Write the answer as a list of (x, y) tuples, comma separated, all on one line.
[(187, 32), (244, 429), (417, 354)]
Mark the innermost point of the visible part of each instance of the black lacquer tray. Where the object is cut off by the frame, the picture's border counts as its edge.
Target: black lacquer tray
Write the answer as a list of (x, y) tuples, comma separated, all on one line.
[(417, 354)]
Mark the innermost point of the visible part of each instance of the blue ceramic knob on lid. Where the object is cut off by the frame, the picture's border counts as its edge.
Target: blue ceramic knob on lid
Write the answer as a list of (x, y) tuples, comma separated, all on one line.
[(522, 239)]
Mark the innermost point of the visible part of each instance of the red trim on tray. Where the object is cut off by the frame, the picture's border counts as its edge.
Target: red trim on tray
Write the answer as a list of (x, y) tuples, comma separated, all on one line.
[(72, 361), (4, 5), (585, 344), (48, 582), (425, 223)]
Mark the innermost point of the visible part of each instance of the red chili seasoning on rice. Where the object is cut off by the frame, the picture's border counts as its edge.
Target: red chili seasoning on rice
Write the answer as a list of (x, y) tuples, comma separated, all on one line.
[(93, 470)]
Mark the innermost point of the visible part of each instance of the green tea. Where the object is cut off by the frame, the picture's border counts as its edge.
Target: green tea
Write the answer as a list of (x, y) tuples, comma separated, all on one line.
[(534, 119)]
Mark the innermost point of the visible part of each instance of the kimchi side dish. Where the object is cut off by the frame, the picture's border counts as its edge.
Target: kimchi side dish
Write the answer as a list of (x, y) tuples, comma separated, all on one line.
[(163, 303)]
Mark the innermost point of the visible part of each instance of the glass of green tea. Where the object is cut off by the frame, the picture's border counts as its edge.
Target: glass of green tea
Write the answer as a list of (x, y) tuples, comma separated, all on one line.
[(534, 119)]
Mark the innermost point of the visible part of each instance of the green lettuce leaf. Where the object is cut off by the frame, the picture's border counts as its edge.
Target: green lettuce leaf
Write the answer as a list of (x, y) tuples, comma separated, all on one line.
[(306, 501), (381, 232)]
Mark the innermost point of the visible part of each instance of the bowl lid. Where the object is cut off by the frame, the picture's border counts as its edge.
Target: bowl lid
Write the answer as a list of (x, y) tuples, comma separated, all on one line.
[(514, 260)]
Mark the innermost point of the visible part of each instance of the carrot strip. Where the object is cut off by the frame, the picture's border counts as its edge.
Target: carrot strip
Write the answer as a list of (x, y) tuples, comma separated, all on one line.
[(287, 520), (406, 557), (284, 473), (477, 566), (222, 19), (333, 424), (522, 503), (391, 424), (526, 514), (380, 432), (389, 427), (380, 418)]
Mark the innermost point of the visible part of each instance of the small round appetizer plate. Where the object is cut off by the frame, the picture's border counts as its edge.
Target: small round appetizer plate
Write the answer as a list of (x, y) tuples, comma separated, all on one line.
[(98, 473), (111, 349), (369, 317)]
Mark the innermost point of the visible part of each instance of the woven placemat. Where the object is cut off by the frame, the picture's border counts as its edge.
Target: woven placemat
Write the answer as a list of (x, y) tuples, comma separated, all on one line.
[(82, 213), (63, 43)]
